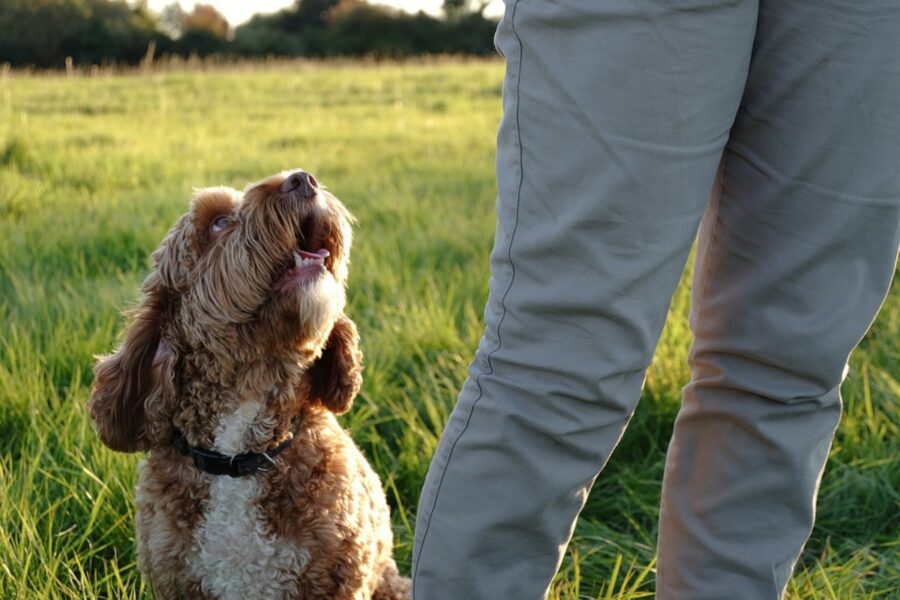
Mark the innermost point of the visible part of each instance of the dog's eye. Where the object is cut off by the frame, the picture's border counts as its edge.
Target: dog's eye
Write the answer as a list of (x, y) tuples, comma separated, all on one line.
[(219, 224)]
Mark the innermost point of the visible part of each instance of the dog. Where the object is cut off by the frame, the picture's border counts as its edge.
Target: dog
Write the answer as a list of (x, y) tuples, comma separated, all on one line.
[(230, 374)]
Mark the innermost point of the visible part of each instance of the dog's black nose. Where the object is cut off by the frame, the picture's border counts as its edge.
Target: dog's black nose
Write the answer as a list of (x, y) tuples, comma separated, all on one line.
[(302, 182)]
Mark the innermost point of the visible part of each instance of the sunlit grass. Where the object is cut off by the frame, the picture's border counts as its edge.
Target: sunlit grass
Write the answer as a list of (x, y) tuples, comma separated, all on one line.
[(93, 170)]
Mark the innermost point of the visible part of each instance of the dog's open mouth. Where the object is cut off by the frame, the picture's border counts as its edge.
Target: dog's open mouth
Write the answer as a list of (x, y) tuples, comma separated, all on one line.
[(307, 260), (306, 266)]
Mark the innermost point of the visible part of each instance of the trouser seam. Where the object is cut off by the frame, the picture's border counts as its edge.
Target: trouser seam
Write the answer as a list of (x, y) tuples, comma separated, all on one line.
[(512, 278)]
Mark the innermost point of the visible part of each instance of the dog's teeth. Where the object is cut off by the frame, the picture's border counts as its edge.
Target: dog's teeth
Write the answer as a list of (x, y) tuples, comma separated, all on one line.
[(297, 260)]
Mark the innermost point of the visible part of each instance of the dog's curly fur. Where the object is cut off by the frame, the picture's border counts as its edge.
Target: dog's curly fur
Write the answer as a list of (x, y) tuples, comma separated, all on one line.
[(236, 352)]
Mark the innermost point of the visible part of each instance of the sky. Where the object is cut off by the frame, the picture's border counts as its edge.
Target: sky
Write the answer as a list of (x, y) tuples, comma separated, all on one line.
[(238, 11)]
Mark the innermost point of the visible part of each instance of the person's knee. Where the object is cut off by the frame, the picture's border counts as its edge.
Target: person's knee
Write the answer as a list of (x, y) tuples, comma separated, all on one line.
[(787, 375)]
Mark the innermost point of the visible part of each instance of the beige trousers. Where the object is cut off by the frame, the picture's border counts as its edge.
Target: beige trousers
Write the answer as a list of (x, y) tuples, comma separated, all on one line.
[(619, 118)]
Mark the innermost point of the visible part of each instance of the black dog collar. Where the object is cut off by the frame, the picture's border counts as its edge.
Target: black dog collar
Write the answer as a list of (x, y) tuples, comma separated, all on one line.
[(216, 463)]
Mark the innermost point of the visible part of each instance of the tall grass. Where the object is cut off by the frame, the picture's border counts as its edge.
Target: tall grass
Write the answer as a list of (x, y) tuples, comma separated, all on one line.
[(93, 170)]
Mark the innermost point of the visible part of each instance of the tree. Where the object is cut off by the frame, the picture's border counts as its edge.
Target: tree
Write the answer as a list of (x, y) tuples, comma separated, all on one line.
[(315, 12), (202, 31), (171, 20), (207, 18), (43, 33), (458, 8)]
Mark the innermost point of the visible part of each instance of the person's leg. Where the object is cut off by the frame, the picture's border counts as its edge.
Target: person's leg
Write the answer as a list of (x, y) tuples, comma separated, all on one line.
[(794, 260), (615, 117)]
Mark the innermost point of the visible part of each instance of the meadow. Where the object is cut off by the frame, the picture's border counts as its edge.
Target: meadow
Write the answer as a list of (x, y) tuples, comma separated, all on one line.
[(94, 168)]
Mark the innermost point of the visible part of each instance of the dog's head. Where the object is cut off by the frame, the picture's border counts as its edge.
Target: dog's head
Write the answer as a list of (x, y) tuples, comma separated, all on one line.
[(246, 287)]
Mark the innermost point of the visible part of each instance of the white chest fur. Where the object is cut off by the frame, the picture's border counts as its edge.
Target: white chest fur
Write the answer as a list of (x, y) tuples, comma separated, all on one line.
[(232, 554)]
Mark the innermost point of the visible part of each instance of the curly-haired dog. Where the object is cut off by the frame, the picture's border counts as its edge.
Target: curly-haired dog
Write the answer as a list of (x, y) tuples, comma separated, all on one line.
[(230, 374)]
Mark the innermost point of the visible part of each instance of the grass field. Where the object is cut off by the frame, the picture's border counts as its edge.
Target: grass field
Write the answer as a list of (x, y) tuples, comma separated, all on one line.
[(93, 171)]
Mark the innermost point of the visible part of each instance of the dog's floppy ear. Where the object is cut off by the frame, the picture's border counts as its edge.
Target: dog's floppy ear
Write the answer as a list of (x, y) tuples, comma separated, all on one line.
[(335, 377), (134, 388)]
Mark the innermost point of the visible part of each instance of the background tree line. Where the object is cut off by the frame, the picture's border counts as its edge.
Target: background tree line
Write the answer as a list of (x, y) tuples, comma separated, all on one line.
[(43, 33)]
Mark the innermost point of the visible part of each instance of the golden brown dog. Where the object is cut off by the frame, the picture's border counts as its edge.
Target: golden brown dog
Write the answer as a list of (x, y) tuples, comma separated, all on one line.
[(231, 372)]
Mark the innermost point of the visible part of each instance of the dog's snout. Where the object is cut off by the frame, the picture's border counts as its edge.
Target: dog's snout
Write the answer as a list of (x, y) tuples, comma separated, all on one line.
[(302, 182)]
